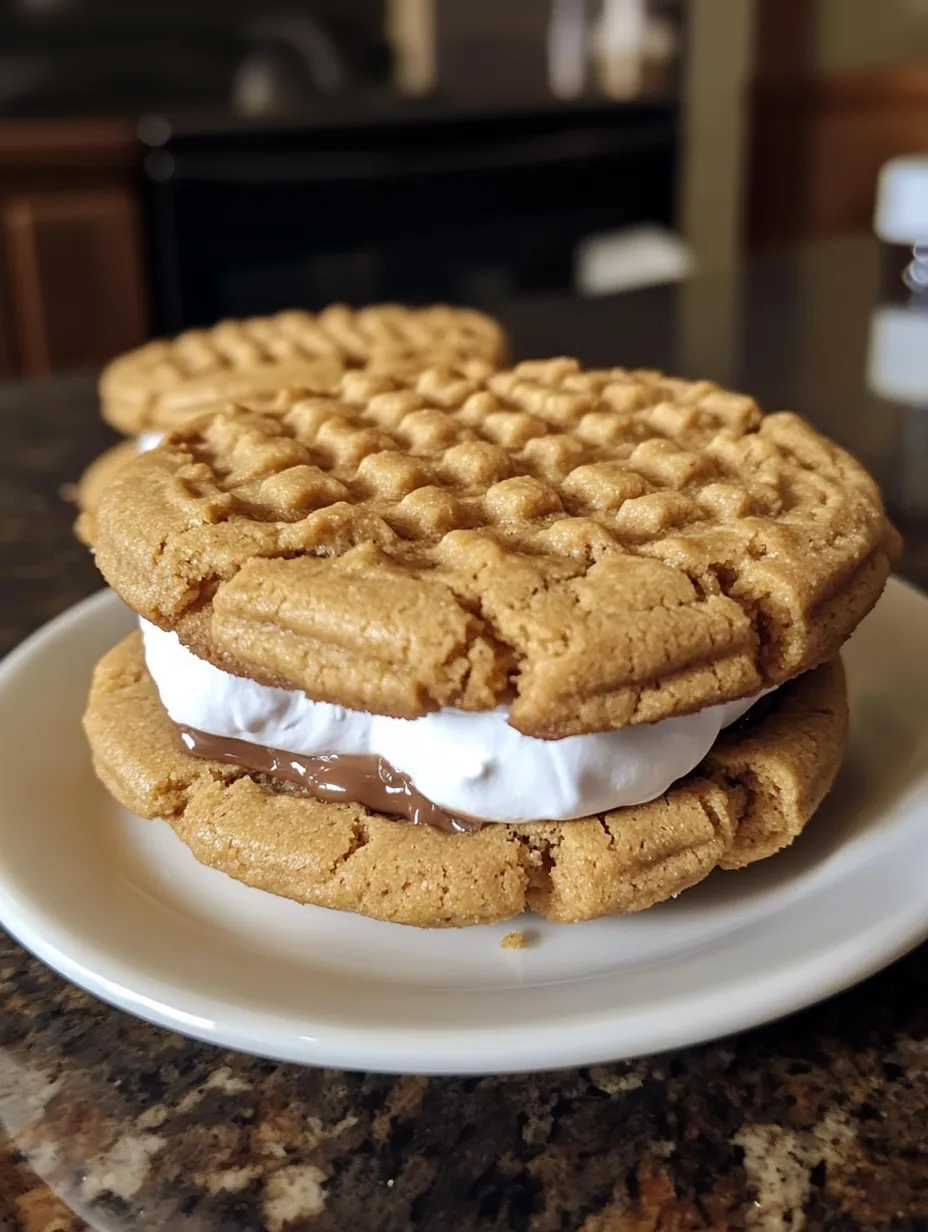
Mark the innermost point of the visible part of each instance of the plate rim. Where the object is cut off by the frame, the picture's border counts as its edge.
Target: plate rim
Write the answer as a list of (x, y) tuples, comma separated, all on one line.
[(502, 1049)]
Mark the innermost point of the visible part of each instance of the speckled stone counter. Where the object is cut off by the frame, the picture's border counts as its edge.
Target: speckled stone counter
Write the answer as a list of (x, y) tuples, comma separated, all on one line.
[(820, 1121)]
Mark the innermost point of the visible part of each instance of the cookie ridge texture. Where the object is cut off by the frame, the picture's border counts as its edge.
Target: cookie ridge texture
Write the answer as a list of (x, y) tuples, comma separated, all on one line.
[(591, 549), (159, 385)]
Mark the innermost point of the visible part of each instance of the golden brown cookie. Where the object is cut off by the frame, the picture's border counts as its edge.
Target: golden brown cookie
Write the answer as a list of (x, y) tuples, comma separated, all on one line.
[(158, 386), (90, 486), (753, 794), (268, 389), (592, 549)]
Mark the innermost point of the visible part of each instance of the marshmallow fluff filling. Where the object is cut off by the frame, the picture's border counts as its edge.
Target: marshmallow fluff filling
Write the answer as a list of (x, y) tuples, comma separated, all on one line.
[(148, 440), (473, 764)]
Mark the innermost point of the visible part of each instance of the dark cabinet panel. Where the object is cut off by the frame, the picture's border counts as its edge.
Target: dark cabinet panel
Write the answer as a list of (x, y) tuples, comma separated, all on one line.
[(72, 284), (74, 277)]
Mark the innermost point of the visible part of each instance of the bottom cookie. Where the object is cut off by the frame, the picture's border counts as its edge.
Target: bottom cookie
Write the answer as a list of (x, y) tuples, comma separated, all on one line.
[(95, 479), (751, 796)]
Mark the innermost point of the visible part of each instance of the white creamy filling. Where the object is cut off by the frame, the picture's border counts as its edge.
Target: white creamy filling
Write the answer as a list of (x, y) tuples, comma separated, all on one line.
[(148, 440), (472, 764)]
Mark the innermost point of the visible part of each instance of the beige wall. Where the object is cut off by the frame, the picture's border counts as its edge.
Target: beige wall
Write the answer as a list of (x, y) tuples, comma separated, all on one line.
[(718, 69), (849, 33)]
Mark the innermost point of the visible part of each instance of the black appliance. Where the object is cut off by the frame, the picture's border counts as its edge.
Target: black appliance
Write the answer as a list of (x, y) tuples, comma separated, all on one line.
[(393, 202)]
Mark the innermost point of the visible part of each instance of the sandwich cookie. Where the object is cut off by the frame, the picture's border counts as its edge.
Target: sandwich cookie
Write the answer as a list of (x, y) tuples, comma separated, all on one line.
[(523, 613)]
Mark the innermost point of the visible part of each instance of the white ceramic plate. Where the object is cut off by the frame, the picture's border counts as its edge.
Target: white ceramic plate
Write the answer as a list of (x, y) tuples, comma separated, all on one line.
[(119, 906)]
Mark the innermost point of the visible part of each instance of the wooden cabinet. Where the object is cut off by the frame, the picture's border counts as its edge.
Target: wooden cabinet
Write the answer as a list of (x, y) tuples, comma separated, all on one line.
[(820, 138), (72, 286), (819, 144)]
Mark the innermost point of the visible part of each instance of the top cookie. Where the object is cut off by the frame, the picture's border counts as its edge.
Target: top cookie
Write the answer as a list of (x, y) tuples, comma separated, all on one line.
[(157, 386), (594, 549)]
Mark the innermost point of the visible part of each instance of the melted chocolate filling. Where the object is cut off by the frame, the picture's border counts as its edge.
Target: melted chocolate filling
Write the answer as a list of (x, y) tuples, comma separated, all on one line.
[(336, 777)]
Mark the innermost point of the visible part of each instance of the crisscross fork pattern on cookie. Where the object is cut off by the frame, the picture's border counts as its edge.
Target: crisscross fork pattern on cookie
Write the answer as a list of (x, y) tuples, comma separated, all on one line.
[(592, 548)]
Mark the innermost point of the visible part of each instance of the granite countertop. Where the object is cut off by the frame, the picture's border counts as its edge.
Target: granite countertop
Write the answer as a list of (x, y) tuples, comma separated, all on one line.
[(817, 1121)]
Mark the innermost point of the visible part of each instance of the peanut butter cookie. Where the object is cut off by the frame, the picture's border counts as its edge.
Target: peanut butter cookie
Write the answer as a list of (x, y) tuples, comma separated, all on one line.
[(591, 549), (159, 385)]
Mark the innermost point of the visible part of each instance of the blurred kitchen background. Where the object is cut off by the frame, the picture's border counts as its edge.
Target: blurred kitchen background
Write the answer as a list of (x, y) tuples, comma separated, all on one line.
[(164, 163)]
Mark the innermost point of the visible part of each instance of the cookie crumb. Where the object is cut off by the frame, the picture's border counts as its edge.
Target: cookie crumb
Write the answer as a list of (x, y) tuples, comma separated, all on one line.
[(513, 941)]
